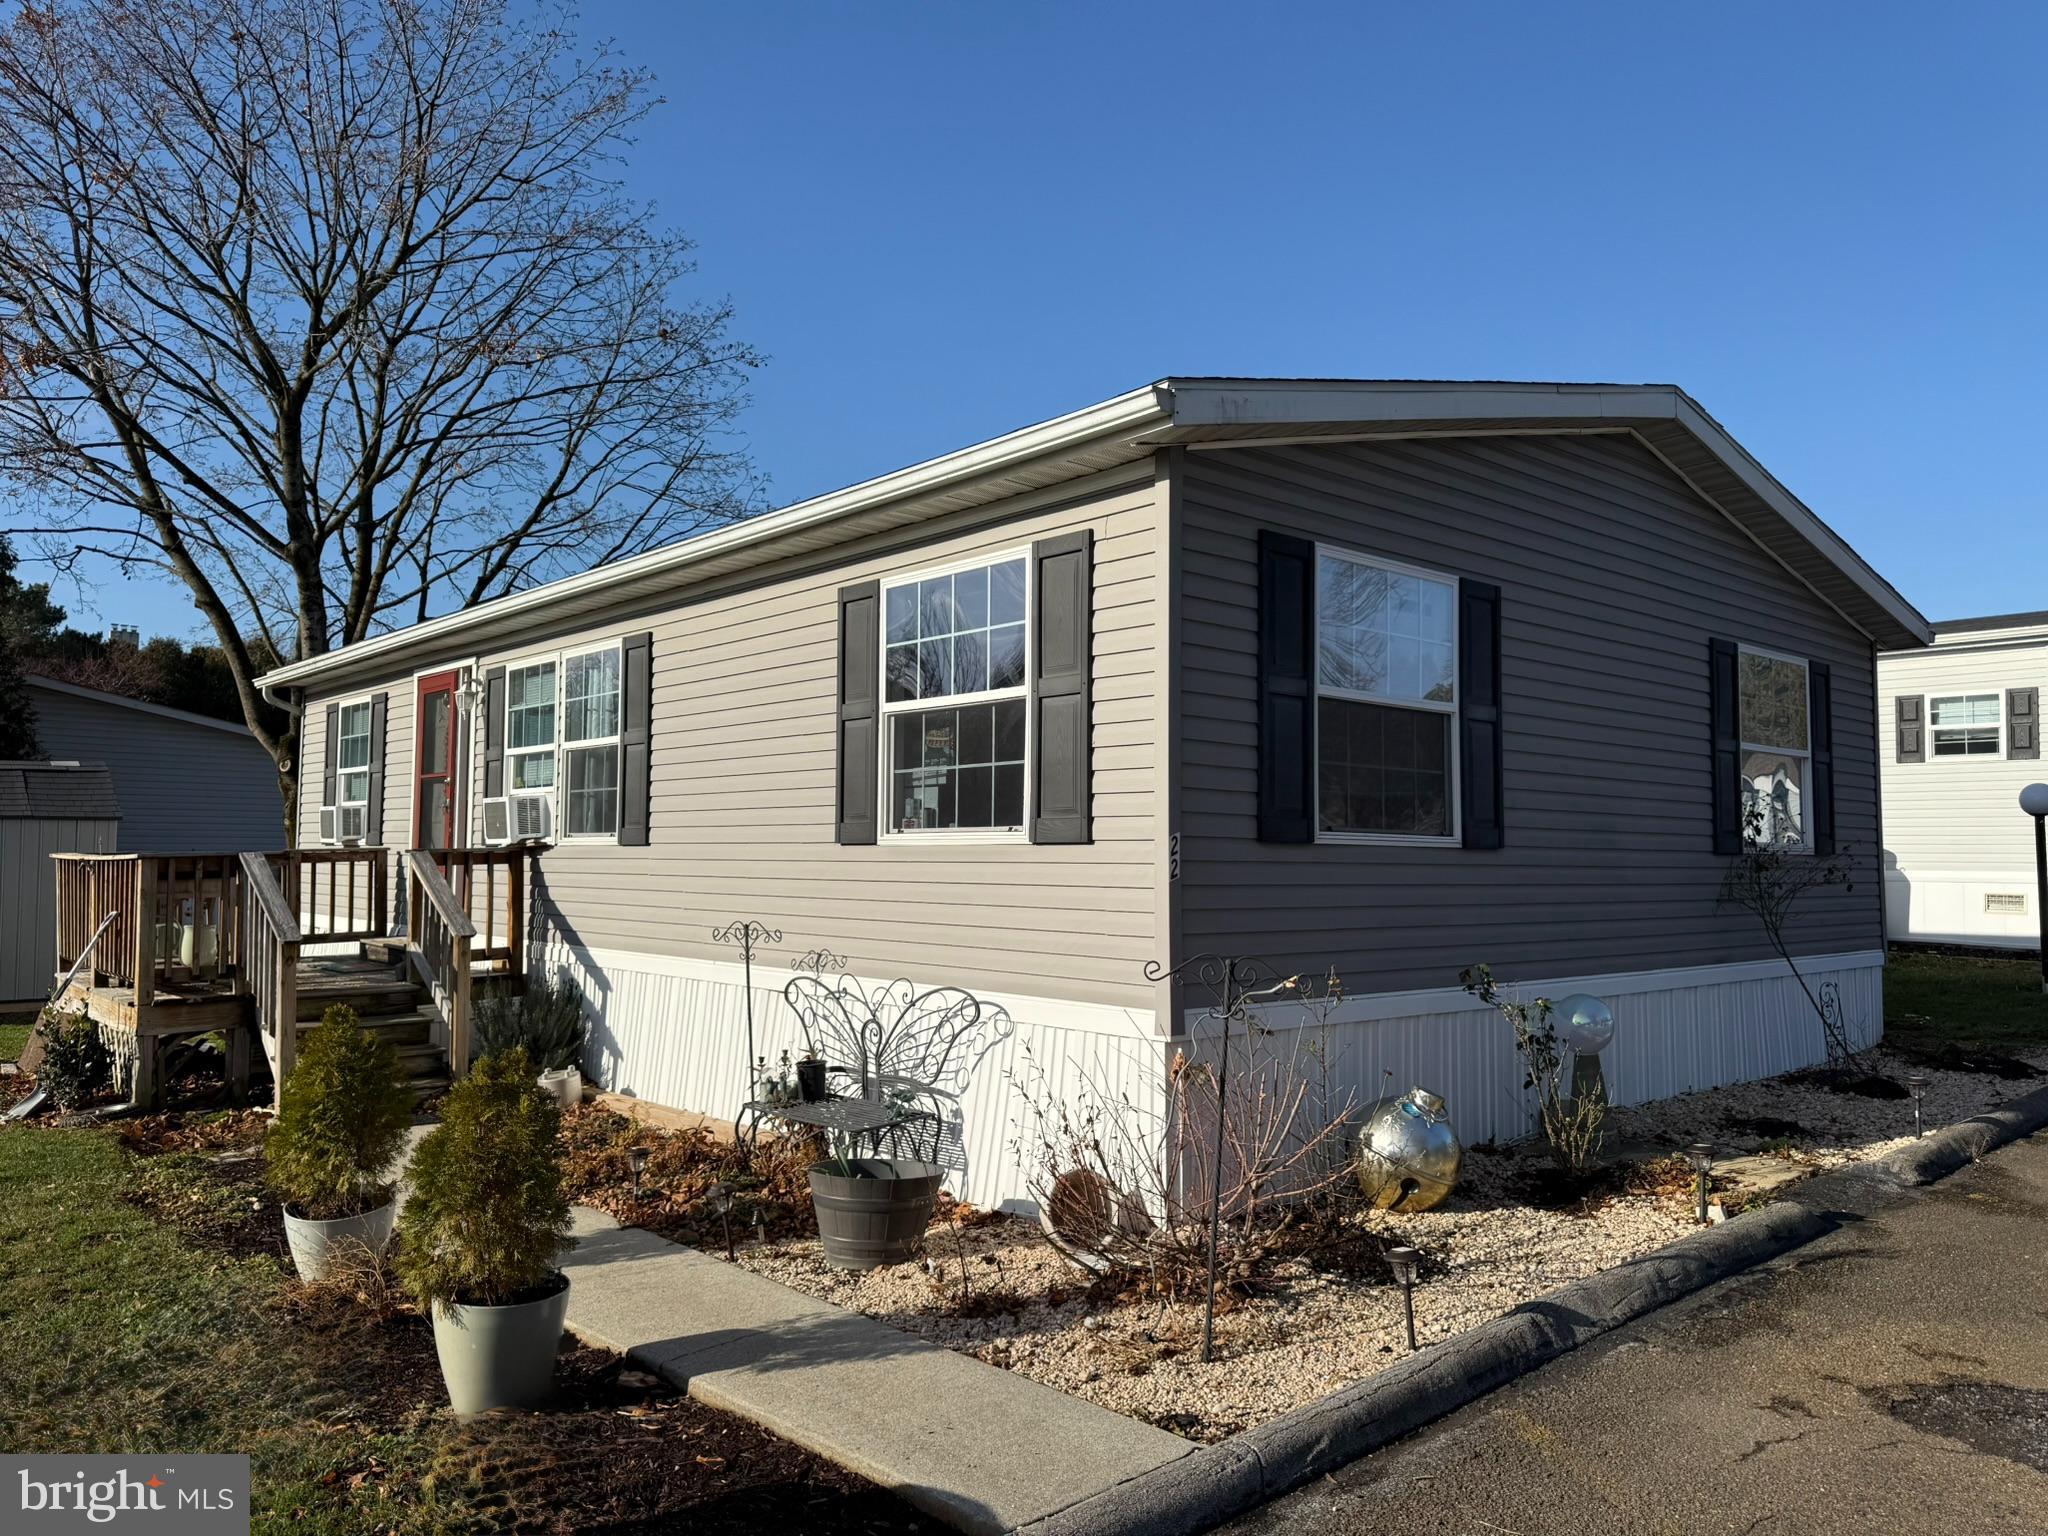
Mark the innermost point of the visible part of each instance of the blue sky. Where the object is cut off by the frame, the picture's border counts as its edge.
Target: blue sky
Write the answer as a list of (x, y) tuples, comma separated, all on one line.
[(1829, 223)]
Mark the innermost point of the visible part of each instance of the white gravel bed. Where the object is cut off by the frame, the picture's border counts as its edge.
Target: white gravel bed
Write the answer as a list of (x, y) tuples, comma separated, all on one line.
[(1487, 1251)]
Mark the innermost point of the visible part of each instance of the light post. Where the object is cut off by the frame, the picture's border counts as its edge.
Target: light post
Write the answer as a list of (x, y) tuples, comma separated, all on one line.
[(1701, 1156), (1916, 1085), (721, 1202), (2034, 801), (636, 1157), (1406, 1263)]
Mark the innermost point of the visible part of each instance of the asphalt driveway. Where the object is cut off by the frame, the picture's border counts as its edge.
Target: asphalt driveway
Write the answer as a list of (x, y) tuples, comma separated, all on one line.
[(1890, 1377)]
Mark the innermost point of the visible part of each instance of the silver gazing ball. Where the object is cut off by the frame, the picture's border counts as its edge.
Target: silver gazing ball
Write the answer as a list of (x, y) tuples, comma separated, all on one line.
[(1408, 1154), (1584, 1024)]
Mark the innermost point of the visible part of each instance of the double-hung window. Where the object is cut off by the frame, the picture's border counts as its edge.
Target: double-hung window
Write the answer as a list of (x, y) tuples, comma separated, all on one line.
[(1386, 699), (590, 744), (562, 738), (954, 704), (352, 773), (1773, 700), (1966, 726)]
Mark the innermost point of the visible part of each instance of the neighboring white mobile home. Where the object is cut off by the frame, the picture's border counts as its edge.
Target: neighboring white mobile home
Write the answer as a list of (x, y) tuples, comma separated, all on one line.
[(1964, 740)]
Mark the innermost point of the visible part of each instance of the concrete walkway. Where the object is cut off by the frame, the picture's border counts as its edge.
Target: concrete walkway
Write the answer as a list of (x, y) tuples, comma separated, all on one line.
[(983, 1449)]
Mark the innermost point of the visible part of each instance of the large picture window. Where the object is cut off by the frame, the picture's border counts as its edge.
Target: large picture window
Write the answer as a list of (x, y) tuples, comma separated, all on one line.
[(1386, 699), (352, 773), (1776, 756), (1965, 726), (954, 648)]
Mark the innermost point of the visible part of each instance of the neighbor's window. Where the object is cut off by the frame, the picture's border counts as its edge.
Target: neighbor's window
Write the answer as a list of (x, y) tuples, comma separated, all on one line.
[(352, 772), (590, 744), (954, 703), (530, 729), (1773, 695), (1965, 727), (1386, 698)]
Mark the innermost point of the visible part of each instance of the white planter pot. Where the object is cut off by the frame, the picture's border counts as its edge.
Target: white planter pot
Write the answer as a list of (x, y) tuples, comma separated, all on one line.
[(500, 1357), (566, 1084), (317, 1246)]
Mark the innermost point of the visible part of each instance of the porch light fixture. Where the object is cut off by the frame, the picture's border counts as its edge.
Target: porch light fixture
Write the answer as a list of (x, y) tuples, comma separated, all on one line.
[(1406, 1263), (721, 1202), (1701, 1156), (2034, 801), (637, 1156), (469, 693), (1916, 1085)]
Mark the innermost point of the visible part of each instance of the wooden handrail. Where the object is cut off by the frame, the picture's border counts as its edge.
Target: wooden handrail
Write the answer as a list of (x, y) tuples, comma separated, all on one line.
[(269, 937), (261, 886), (435, 886)]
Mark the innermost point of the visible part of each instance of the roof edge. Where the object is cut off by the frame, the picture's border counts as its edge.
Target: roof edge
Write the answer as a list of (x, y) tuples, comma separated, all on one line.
[(101, 696)]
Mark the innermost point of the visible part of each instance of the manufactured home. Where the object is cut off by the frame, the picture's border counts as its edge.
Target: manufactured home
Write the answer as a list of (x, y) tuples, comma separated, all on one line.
[(1386, 678), (1962, 739)]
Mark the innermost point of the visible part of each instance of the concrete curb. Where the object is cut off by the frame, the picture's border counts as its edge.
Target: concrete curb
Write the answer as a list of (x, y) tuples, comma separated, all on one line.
[(1217, 1482)]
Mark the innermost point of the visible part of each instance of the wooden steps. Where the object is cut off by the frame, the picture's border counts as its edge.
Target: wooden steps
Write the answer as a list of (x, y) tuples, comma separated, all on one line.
[(387, 1002)]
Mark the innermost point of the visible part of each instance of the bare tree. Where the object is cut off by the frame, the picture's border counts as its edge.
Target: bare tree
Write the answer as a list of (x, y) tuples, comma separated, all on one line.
[(334, 310)]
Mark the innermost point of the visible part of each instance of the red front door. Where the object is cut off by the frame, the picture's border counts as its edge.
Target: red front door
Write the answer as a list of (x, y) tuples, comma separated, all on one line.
[(435, 763)]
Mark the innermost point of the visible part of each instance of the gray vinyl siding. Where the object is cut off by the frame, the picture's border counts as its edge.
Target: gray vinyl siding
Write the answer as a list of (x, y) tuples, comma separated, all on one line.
[(183, 787), (1614, 576), (398, 769), (28, 895), (743, 792)]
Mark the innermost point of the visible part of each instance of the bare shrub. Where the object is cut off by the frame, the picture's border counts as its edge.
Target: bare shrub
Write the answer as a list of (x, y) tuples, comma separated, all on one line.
[(1572, 1124), (1767, 880), (1127, 1188)]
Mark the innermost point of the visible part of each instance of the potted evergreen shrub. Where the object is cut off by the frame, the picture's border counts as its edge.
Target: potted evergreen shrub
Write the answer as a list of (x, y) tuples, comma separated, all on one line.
[(341, 1126), (548, 1023), (872, 1210), (481, 1232)]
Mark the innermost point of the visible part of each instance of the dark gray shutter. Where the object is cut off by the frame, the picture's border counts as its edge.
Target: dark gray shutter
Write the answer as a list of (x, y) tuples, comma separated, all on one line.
[(1063, 599), (1726, 757), (1910, 710), (2023, 723), (636, 739), (1287, 722), (373, 814), (1483, 817), (333, 741), (860, 710), (494, 733), (1820, 738)]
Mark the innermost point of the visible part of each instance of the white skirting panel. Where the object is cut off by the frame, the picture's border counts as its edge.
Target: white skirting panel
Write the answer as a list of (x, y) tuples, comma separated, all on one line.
[(1675, 1032), (674, 1032)]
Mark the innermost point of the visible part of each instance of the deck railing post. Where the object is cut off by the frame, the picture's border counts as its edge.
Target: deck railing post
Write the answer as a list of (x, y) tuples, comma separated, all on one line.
[(144, 980)]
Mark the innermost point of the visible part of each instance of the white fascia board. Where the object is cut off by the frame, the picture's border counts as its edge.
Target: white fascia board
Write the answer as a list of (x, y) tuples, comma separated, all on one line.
[(1280, 402), (1126, 414)]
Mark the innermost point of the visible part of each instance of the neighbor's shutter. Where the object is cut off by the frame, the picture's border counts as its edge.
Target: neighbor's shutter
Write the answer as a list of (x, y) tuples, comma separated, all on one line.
[(636, 738), (1479, 765), (1910, 710), (1726, 758), (860, 690), (2023, 722), (1820, 737), (328, 829), (494, 733), (1287, 724), (1063, 583), (373, 815)]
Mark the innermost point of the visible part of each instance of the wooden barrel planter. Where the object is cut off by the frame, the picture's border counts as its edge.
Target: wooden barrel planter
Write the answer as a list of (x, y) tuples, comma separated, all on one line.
[(873, 1211)]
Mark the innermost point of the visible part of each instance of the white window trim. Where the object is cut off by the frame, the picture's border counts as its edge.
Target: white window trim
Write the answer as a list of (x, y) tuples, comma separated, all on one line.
[(565, 746), (556, 794), (1996, 695), (342, 706), (1805, 754), (1456, 837), (889, 835)]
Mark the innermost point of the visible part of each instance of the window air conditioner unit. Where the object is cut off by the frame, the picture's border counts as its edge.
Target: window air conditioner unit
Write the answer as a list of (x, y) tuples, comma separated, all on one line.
[(352, 823), (326, 823), (517, 819)]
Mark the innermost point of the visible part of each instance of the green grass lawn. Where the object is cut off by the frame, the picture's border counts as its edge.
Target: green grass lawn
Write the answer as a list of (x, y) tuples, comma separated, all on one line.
[(14, 1028), (1935, 1000), (122, 1337)]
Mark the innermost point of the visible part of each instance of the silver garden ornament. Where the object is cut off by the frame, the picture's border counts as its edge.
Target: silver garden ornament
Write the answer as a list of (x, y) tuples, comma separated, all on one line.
[(1408, 1153), (1585, 1027)]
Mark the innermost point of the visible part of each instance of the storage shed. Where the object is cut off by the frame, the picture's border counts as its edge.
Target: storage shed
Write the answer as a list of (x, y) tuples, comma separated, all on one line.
[(45, 808)]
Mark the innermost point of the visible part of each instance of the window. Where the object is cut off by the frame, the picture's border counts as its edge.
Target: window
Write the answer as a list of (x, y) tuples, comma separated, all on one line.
[(954, 700), (562, 738), (1772, 701), (352, 773), (1967, 726), (1386, 699), (590, 739)]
